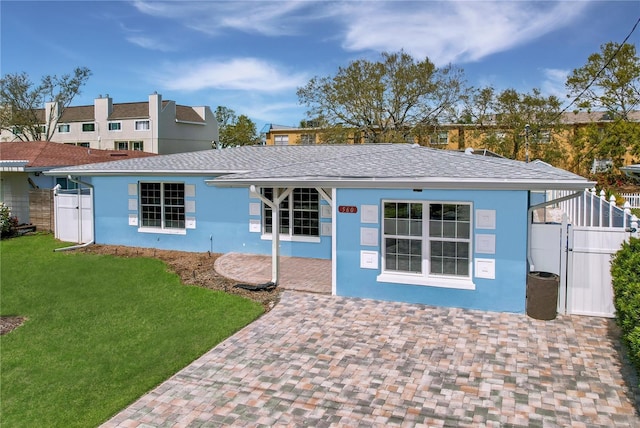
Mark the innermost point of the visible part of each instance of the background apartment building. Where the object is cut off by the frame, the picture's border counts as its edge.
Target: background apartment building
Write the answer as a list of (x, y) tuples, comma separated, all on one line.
[(455, 136), (153, 126)]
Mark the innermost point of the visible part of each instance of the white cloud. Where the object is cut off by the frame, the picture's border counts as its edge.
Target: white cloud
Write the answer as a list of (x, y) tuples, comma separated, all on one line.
[(269, 18), (150, 43), (446, 32), (452, 32), (247, 74), (554, 83)]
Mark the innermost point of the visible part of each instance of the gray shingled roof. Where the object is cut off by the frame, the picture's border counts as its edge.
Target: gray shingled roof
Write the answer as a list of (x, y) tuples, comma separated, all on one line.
[(384, 164)]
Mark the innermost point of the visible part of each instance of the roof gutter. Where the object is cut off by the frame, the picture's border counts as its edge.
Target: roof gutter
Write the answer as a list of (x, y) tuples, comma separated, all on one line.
[(104, 173), (530, 223), (91, 241), (404, 183)]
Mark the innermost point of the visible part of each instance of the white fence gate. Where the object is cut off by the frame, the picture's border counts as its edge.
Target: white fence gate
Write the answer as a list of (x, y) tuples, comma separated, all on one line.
[(73, 215), (589, 290), (579, 250)]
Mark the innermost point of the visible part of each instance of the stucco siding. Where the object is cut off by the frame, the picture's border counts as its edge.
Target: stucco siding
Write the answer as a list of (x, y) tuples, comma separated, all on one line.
[(221, 221), (504, 293)]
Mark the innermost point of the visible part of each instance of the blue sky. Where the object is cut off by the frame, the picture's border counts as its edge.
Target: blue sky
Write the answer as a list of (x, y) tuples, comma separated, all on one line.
[(252, 56)]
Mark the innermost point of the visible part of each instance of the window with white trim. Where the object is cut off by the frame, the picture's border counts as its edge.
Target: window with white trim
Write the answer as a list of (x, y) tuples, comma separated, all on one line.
[(142, 125), (543, 136), (162, 205), (88, 127), (307, 139), (430, 239), (64, 128), (299, 213), (440, 138), (129, 145), (115, 126), (601, 165), (281, 140)]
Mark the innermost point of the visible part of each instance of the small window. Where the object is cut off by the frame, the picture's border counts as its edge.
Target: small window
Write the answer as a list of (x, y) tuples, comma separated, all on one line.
[(136, 145), (65, 183), (440, 138), (115, 126), (162, 205), (142, 125), (307, 139), (121, 145), (281, 140), (299, 213), (88, 127), (84, 144), (543, 137), (64, 128), (601, 165)]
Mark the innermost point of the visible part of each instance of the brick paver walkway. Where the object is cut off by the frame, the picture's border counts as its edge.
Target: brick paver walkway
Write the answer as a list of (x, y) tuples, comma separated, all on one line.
[(318, 360), (296, 273)]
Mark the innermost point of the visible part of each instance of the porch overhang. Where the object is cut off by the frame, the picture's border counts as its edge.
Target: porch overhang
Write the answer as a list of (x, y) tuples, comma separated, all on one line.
[(279, 195)]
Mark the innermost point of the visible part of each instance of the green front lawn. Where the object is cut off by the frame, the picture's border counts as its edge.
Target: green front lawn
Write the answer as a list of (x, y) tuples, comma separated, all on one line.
[(101, 331)]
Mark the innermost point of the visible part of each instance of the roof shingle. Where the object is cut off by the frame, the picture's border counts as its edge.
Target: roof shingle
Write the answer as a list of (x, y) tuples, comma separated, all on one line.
[(42, 154), (335, 163)]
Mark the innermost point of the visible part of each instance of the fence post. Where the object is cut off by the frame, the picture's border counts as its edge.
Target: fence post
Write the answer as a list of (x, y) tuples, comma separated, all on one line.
[(612, 206), (601, 201), (626, 217), (591, 207), (634, 226)]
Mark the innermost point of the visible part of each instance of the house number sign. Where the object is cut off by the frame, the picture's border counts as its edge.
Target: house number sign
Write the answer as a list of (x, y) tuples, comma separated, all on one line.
[(348, 209)]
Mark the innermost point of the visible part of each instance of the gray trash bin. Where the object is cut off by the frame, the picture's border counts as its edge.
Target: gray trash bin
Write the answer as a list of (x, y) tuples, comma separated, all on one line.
[(542, 295)]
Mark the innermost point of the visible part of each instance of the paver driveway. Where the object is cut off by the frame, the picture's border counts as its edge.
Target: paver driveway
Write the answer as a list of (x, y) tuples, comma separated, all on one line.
[(318, 360)]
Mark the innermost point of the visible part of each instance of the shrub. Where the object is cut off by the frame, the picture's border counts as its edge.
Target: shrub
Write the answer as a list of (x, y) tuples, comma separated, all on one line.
[(8, 223), (625, 274)]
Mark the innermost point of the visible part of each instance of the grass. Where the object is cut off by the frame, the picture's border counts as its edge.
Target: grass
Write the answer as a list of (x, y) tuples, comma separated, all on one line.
[(101, 331)]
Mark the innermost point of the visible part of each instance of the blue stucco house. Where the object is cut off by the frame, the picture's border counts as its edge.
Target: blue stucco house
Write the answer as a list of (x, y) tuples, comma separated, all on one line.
[(399, 221)]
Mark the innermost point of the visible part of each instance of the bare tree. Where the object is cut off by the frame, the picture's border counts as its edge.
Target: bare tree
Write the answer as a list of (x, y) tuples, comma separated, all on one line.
[(22, 104)]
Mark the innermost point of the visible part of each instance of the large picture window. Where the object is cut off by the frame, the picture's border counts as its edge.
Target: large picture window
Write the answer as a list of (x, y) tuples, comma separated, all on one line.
[(299, 213), (427, 239), (162, 205)]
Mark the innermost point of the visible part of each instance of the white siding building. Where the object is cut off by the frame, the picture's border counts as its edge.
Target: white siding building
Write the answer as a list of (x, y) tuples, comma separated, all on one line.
[(153, 126)]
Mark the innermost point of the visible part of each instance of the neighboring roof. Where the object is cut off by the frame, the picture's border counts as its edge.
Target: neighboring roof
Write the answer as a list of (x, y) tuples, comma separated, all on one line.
[(632, 171), (130, 111), (135, 110), (595, 116), (78, 114), (187, 114), (43, 155), (367, 165)]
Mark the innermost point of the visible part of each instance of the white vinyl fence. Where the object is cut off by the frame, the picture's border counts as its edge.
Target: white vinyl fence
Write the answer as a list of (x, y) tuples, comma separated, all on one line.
[(579, 248), (73, 215), (632, 198)]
